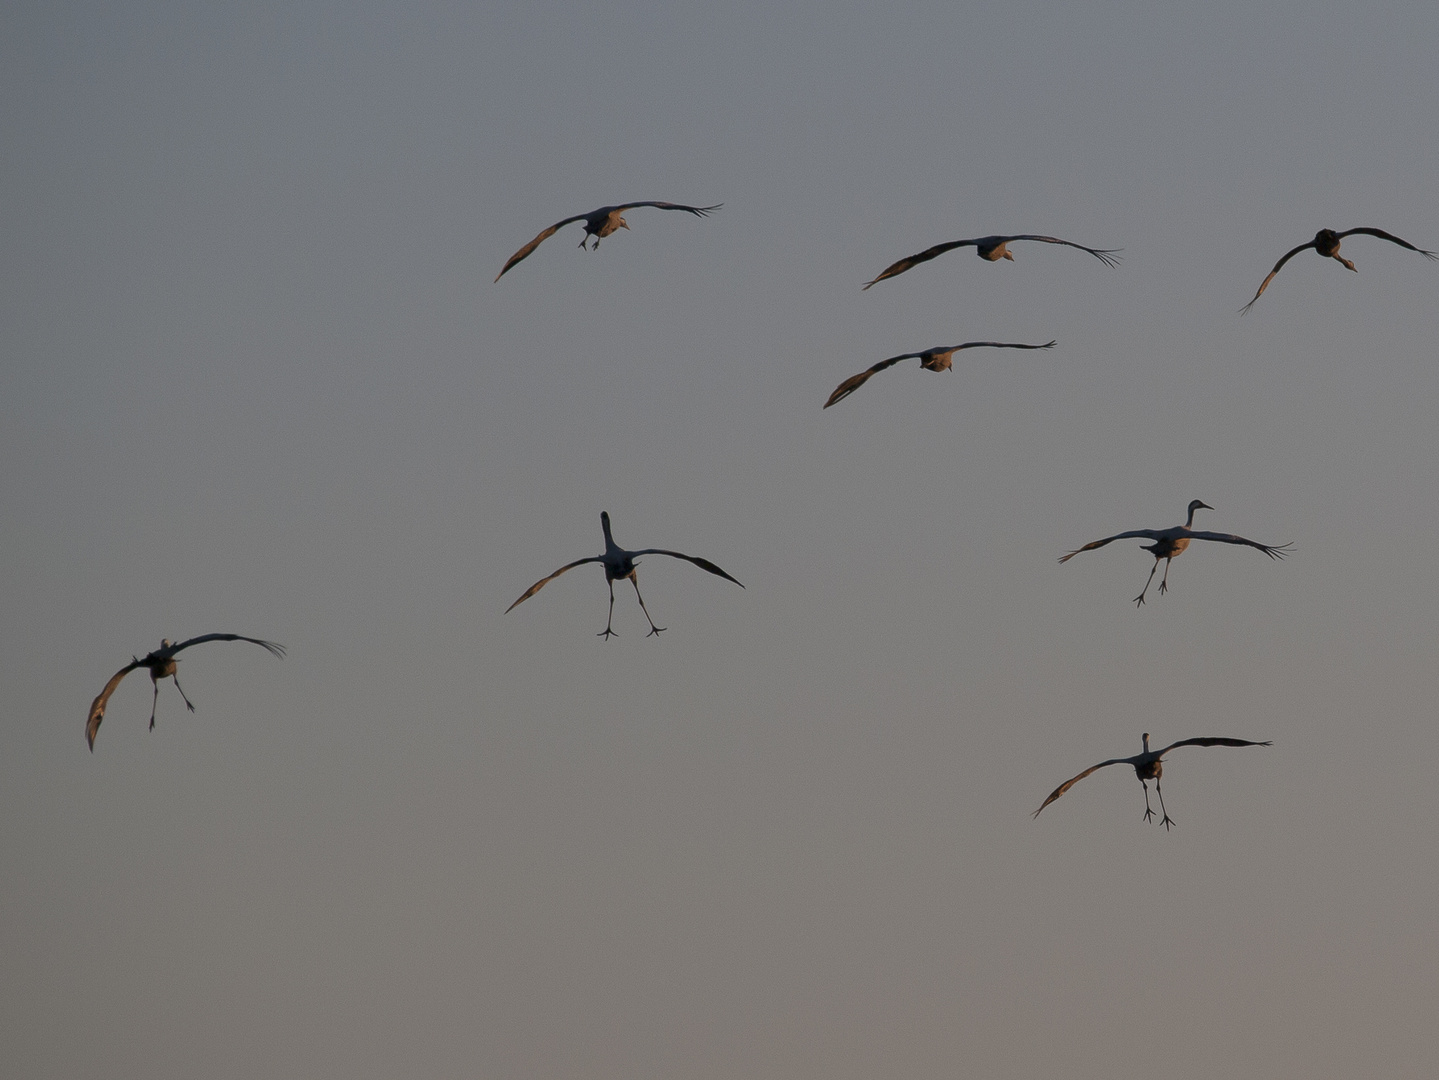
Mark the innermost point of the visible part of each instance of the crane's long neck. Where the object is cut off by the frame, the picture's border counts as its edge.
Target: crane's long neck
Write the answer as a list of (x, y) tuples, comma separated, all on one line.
[(605, 524), (1190, 523), (1146, 734)]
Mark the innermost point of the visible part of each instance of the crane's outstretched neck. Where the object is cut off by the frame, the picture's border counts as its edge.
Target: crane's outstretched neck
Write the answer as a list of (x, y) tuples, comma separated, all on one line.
[(1146, 734), (605, 524)]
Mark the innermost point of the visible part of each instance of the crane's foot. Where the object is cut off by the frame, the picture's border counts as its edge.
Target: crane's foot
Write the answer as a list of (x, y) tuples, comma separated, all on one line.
[(607, 633), (1163, 587), (1139, 600), (1167, 822), (656, 631), (1148, 814)]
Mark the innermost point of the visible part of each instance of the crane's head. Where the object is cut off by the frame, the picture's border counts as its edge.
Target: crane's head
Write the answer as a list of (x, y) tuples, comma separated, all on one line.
[(165, 643), (622, 223), (1146, 742), (1199, 504)]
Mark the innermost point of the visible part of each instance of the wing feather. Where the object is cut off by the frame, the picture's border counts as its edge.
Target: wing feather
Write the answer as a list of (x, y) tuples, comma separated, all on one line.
[(854, 382), (703, 564), (97, 707), (1108, 256), (698, 211), (1213, 742), (528, 249), (1265, 284), (912, 261), (1277, 552), (1391, 238), (537, 586), (274, 648), (1057, 792), (1143, 534)]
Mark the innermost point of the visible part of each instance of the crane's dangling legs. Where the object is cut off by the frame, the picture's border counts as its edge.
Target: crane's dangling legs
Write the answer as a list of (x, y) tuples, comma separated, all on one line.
[(606, 633), (176, 676), (154, 701), (1168, 821), (1148, 813), (1139, 600), (1164, 581), (655, 631)]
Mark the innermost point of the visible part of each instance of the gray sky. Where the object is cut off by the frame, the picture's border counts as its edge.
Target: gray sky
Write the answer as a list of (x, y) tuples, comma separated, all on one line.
[(257, 378)]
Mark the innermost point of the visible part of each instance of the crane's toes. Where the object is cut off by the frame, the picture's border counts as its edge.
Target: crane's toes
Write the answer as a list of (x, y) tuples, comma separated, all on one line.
[(1148, 814), (1163, 588), (1139, 600), (607, 633), (656, 631), (1167, 822)]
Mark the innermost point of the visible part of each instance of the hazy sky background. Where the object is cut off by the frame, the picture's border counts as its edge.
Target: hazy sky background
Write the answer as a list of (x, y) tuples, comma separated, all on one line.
[(257, 379)]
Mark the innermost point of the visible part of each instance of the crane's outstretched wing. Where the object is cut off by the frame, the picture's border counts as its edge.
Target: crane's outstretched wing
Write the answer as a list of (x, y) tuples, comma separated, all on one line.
[(537, 586), (698, 211), (274, 648), (97, 707), (1108, 256), (1265, 284), (924, 256), (703, 564), (528, 249), (1392, 239), (1057, 792), (1212, 742), (1228, 538), (854, 382), (1143, 534)]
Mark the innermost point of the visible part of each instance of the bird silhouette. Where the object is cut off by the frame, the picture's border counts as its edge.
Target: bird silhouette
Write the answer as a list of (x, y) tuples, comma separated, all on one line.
[(162, 664), (939, 358), (992, 248), (1171, 542), (1326, 243), (1147, 766), (619, 564), (600, 223)]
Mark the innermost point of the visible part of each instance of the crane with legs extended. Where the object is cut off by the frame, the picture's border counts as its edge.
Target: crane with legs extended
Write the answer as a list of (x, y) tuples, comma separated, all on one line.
[(162, 663), (1171, 542), (619, 564), (600, 223), (1147, 766)]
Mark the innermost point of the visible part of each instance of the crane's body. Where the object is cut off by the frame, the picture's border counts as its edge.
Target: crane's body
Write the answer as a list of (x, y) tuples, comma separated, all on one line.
[(620, 564), (1170, 543), (1148, 766)]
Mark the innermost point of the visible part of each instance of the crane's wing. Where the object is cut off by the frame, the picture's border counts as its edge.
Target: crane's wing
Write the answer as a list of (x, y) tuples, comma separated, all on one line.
[(1392, 239), (1057, 792), (698, 211), (1270, 278), (1108, 256), (854, 382), (703, 564), (97, 707), (924, 256), (274, 648), (1212, 742), (1227, 538), (537, 586), (1144, 534), (999, 345), (528, 249)]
